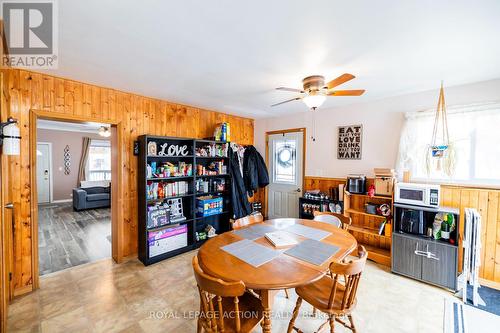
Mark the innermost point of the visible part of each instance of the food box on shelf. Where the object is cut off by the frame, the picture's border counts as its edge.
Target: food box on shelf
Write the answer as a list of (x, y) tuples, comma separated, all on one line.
[(209, 205), (167, 240), (158, 217)]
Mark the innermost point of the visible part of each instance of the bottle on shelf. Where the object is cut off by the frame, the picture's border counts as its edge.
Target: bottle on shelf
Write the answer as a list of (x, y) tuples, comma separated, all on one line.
[(210, 185), (214, 168)]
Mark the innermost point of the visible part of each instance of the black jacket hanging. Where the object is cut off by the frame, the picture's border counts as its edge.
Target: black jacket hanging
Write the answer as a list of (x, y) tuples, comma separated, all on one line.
[(255, 172), (241, 206)]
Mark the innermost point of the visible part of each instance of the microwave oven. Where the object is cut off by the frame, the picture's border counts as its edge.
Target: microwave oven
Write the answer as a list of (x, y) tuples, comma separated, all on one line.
[(417, 194)]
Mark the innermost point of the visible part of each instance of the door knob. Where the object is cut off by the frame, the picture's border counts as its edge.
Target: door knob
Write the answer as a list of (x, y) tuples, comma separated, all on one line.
[(10, 205)]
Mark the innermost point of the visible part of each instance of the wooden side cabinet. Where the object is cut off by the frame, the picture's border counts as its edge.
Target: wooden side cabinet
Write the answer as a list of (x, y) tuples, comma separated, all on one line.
[(409, 258)]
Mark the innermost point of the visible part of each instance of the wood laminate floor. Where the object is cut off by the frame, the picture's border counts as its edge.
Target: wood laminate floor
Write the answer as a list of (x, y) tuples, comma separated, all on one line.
[(129, 297), (67, 238)]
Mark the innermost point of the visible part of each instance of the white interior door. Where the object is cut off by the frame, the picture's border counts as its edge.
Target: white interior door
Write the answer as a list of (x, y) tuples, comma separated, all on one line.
[(43, 171), (285, 164)]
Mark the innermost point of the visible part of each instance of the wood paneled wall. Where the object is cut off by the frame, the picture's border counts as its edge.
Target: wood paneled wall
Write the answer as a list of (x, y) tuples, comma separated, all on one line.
[(486, 201), (137, 115), (322, 184)]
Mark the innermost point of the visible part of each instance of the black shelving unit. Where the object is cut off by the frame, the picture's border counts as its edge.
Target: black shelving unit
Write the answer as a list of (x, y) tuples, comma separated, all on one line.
[(193, 222), (321, 203), (219, 221)]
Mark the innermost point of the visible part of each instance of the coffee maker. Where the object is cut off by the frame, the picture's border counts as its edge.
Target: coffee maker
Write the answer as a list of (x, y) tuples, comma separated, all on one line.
[(356, 184)]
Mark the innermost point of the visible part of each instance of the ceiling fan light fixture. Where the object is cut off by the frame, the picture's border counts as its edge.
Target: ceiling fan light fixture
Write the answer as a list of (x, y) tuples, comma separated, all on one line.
[(104, 131), (315, 90), (314, 101)]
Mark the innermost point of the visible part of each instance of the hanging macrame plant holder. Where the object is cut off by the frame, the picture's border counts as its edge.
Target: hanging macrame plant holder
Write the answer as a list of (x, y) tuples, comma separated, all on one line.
[(441, 154)]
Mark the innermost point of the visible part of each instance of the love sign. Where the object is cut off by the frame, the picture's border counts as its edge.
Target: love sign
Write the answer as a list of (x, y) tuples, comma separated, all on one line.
[(349, 142), (173, 150)]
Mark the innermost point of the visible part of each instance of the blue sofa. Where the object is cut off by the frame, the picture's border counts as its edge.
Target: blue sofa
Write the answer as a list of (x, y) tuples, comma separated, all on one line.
[(91, 197)]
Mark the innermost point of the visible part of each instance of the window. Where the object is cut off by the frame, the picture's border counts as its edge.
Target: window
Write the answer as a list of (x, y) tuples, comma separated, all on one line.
[(99, 160), (285, 158), (475, 136)]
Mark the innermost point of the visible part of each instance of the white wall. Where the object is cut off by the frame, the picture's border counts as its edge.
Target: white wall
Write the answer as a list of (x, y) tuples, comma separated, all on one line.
[(382, 121)]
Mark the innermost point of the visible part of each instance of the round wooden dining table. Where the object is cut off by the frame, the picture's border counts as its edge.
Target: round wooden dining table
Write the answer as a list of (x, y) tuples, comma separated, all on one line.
[(282, 272)]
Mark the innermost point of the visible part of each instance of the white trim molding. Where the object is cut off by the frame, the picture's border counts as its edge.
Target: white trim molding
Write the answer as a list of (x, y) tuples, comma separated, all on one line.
[(51, 178), (62, 201)]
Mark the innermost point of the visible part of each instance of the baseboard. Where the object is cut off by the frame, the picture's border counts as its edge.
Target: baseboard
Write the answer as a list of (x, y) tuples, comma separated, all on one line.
[(130, 257), (62, 201), (23, 290)]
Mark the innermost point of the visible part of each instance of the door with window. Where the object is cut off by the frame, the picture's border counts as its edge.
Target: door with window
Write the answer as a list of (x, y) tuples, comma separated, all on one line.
[(285, 156)]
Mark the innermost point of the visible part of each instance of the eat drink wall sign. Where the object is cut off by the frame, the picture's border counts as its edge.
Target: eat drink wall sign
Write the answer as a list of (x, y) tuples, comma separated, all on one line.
[(349, 142)]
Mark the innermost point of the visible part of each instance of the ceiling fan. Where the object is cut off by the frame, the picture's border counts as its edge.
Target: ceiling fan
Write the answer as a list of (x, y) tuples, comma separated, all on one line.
[(315, 90)]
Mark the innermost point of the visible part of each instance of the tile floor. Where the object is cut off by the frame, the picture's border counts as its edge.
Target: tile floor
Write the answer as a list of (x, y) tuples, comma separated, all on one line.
[(107, 297), (67, 238)]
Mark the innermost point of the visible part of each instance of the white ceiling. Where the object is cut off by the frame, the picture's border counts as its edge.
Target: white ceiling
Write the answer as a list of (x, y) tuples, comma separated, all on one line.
[(229, 55)]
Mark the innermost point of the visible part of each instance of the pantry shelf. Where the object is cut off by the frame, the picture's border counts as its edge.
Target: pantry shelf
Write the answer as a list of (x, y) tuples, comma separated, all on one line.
[(211, 157), (159, 243), (168, 178), (150, 201), (365, 226)]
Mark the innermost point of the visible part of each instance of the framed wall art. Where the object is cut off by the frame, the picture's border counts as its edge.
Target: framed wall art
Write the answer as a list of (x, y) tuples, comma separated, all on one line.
[(349, 143)]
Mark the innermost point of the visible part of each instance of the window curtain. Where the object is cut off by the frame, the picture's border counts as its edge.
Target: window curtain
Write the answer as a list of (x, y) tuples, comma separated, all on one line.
[(473, 134), (83, 160)]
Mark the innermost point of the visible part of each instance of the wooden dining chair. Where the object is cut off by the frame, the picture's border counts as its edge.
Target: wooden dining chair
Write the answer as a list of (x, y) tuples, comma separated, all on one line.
[(330, 295), (247, 220), (343, 221), (225, 306), (339, 220)]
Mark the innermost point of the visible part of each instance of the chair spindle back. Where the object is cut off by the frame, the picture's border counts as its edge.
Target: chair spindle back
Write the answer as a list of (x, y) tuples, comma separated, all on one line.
[(211, 292), (352, 273), (346, 221), (247, 220)]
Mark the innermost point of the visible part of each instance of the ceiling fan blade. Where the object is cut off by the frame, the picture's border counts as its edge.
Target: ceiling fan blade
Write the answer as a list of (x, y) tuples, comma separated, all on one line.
[(289, 100), (290, 89), (338, 81), (346, 92)]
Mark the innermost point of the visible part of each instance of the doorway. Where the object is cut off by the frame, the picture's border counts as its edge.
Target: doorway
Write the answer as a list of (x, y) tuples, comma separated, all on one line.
[(285, 156), (44, 172), (73, 177)]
